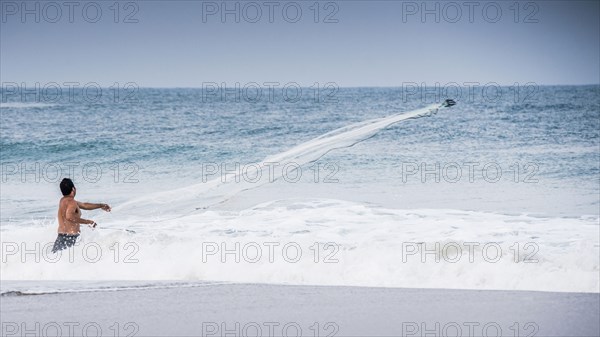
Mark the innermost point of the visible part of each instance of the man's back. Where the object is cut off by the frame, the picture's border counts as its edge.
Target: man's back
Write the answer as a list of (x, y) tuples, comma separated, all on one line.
[(67, 205)]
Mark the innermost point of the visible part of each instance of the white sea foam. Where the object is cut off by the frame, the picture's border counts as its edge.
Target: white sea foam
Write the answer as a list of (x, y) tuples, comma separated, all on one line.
[(357, 245)]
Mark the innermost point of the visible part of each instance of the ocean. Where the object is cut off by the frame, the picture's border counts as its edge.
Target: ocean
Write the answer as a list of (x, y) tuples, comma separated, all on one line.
[(501, 191)]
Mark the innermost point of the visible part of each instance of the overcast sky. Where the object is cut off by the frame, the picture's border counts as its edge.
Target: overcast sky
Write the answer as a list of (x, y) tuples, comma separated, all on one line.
[(353, 43)]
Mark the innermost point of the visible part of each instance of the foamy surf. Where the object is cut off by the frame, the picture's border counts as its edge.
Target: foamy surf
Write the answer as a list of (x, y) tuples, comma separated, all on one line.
[(327, 242)]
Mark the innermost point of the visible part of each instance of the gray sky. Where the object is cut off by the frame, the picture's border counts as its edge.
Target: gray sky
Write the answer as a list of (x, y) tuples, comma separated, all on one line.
[(363, 43)]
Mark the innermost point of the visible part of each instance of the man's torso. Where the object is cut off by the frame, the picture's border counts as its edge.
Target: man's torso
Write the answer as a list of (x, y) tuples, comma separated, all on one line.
[(64, 225)]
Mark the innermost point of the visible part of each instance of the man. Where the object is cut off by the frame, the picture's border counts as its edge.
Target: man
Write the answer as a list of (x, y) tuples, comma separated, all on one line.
[(69, 216)]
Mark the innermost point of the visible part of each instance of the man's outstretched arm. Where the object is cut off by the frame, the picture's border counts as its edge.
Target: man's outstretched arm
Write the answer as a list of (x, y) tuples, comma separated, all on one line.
[(88, 206)]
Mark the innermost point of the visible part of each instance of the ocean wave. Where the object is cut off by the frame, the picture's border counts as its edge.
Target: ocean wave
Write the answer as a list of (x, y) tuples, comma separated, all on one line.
[(324, 242)]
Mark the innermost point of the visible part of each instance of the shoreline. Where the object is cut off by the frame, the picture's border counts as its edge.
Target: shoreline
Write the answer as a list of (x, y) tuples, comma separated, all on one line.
[(280, 310), (111, 286)]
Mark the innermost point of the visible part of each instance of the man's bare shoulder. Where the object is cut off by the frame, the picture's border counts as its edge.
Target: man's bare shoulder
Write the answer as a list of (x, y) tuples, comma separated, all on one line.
[(66, 201)]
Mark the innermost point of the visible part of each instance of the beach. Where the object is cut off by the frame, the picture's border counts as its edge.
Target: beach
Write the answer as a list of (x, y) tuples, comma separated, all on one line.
[(285, 310)]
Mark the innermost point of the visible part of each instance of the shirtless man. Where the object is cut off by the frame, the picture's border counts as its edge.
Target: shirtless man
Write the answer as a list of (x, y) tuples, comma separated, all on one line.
[(69, 216)]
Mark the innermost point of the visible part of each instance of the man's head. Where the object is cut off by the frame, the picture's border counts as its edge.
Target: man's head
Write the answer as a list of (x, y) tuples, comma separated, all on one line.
[(67, 187)]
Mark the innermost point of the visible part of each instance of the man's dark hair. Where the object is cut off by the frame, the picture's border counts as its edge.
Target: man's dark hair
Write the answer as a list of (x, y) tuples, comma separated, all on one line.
[(66, 186)]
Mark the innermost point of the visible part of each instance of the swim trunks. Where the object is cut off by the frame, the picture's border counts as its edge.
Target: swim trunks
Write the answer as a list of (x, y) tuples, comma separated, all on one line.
[(64, 241)]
